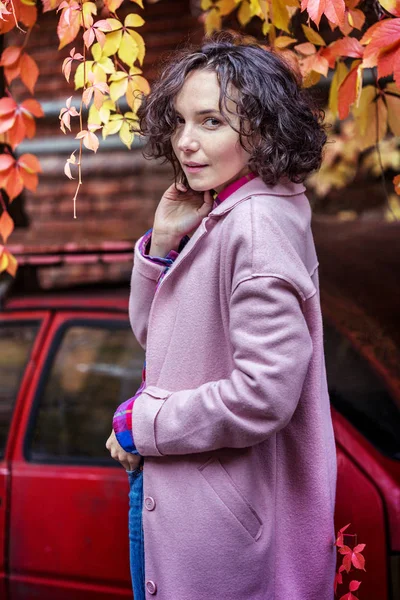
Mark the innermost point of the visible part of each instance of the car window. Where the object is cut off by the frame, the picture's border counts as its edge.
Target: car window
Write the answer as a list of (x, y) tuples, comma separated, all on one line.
[(16, 341), (358, 393), (93, 367)]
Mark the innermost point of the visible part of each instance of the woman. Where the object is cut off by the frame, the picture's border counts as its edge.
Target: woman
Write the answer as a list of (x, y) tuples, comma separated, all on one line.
[(232, 419)]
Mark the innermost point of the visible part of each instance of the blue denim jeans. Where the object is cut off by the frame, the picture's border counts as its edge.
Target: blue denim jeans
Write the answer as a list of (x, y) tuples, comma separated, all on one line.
[(136, 542)]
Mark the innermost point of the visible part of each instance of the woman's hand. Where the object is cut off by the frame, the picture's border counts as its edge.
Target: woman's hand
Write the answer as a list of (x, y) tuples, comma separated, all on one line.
[(128, 461), (180, 212)]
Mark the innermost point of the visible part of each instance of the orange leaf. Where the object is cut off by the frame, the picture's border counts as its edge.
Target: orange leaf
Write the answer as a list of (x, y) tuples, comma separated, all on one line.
[(29, 72), (29, 163), (6, 225), (6, 162), (7, 106), (33, 106), (334, 10), (10, 55), (15, 184)]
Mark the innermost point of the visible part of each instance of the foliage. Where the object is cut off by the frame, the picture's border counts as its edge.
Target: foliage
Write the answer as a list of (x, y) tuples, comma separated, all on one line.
[(108, 70), (351, 559)]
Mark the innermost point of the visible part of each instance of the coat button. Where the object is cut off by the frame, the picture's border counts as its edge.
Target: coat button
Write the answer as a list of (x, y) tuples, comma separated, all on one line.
[(149, 503), (151, 587)]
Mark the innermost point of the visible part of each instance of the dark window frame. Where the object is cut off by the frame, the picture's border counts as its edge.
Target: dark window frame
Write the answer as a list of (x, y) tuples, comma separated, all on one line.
[(110, 324), (9, 323)]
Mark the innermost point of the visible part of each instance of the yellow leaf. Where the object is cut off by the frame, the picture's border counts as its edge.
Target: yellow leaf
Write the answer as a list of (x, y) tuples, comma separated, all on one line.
[(3, 259), (311, 79), (118, 89), (140, 83), (112, 42), (244, 13), (282, 41), (78, 79), (212, 21), (360, 112), (112, 127), (279, 15), (126, 134), (313, 36), (338, 76), (140, 45), (128, 50), (206, 4), (392, 213), (391, 6), (226, 6), (266, 27), (133, 20), (88, 9), (106, 65), (393, 106), (374, 123), (255, 8), (115, 24), (139, 2)]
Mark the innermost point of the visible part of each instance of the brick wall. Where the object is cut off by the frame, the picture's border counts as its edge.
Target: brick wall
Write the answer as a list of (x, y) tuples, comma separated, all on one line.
[(121, 189)]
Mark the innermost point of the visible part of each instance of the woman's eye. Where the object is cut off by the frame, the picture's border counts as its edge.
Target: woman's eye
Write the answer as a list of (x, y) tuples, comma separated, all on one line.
[(213, 122)]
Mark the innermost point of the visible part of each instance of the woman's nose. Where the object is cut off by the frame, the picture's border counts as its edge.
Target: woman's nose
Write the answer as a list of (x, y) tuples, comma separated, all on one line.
[(187, 141)]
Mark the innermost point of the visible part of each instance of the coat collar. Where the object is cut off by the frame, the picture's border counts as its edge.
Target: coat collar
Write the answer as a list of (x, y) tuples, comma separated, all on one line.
[(256, 186)]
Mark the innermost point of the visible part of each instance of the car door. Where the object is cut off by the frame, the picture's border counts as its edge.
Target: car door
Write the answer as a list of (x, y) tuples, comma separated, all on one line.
[(21, 334), (69, 518)]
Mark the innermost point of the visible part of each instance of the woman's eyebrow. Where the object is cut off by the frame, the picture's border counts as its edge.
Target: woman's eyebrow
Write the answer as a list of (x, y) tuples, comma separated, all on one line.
[(205, 111)]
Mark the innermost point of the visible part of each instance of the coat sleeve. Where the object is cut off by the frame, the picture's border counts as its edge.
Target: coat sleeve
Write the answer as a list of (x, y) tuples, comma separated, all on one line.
[(272, 348), (145, 275)]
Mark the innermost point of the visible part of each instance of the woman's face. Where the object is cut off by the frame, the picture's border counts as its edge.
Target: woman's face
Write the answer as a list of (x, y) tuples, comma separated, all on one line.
[(204, 137)]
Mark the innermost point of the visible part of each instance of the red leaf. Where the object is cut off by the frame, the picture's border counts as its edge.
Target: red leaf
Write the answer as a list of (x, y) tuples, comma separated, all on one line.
[(348, 91), (347, 46), (354, 585)]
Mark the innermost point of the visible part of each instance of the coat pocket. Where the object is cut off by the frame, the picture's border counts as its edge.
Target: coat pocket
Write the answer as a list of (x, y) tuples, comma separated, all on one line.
[(223, 485)]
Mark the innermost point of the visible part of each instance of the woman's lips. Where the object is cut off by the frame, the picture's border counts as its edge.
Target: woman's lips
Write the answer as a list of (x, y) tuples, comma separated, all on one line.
[(195, 169)]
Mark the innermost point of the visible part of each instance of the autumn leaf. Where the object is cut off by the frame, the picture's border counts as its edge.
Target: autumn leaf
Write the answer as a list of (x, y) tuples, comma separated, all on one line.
[(371, 117), (18, 63), (312, 36), (89, 138), (349, 91), (333, 10), (67, 63), (98, 90), (70, 161), (6, 225), (17, 120), (124, 124), (383, 48), (353, 586), (392, 99), (353, 557), (8, 262), (17, 174), (124, 40), (66, 114), (96, 31)]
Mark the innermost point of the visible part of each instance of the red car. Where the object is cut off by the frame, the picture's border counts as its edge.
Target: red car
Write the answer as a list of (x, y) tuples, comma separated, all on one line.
[(68, 359)]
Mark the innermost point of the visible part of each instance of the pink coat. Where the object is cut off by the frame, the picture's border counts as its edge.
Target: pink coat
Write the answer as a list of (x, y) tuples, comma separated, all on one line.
[(235, 424)]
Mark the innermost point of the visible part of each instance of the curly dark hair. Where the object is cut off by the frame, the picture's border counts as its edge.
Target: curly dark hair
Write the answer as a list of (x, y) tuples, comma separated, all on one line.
[(288, 126)]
